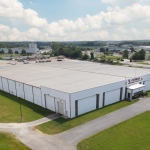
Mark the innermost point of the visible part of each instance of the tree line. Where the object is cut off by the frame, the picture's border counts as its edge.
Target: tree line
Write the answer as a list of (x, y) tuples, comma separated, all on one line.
[(137, 55)]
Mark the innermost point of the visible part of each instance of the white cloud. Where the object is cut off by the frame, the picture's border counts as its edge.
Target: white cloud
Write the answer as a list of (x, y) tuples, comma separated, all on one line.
[(124, 2), (116, 23), (13, 10)]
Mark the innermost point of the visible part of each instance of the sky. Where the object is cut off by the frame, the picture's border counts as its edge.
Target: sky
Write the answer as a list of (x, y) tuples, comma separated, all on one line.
[(74, 20)]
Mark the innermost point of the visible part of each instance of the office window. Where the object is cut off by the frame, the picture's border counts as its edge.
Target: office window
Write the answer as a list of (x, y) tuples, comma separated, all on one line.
[(121, 90), (97, 101), (76, 108), (103, 99)]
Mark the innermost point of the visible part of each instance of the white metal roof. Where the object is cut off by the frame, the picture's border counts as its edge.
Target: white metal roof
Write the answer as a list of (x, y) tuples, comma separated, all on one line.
[(135, 86), (69, 76)]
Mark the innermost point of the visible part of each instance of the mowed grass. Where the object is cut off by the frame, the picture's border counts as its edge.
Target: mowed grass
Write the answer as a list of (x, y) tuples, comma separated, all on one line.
[(133, 134), (9, 142), (61, 124), (10, 109)]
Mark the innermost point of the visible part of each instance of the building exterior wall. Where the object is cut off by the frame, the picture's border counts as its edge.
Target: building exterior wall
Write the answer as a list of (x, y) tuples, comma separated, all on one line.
[(1, 86), (37, 99), (5, 85), (93, 92), (58, 96), (112, 97), (28, 93), (20, 90), (12, 87), (82, 101)]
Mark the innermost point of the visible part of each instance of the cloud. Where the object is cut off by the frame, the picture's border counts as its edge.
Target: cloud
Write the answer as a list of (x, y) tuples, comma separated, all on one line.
[(116, 23), (13, 11), (124, 2)]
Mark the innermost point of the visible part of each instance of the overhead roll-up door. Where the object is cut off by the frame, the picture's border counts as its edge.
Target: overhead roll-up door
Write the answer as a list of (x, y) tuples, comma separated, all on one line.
[(112, 97), (86, 104)]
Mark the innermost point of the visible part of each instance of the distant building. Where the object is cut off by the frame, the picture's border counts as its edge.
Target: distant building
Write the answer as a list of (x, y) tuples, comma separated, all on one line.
[(32, 49)]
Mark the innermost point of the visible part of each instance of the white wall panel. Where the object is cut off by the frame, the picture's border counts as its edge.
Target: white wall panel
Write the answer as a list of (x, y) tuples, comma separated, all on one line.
[(50, 102), (37, 96), (59, 96), (86, 104), (1, 86), (12, 87), (147, 85), (20, 90), (5, 85), (28, 93), (112, 97)]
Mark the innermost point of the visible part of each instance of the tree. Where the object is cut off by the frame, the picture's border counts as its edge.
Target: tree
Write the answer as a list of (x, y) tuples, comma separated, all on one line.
[(23, 52), (125, 54), (107, 49), (16, 52), (132, 49), (85, 56), (139, 55), (76, 54), (135, 56), (2, 51), (92, 55), (10, 51), (142, 54)]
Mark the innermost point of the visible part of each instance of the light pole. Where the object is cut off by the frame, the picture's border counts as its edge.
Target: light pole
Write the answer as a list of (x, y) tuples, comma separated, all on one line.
[(20, 110)]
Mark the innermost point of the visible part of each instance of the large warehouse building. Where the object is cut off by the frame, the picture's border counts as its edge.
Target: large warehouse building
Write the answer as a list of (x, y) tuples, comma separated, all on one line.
[(72, 88)]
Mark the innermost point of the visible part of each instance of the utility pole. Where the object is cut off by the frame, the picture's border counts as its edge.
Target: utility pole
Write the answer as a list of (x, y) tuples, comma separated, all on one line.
[(20, 110)]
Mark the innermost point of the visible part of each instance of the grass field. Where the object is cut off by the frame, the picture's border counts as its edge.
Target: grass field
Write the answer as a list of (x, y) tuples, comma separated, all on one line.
[(114, 58), (133, 134), (10, 109), (144, 63), (9, 142), (60, 124)]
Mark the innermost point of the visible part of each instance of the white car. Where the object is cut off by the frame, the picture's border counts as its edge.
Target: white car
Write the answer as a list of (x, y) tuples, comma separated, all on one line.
[(26, 62)]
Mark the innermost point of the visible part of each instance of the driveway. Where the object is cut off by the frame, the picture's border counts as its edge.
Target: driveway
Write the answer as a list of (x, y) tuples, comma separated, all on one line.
[(68, 139)]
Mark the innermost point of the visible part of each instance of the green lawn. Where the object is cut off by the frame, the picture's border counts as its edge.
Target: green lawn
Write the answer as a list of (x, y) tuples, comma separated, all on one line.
[(133, 134), (10, 109), (9, 142), (148, 93), (114, 58), (61, 124), (144, 63)]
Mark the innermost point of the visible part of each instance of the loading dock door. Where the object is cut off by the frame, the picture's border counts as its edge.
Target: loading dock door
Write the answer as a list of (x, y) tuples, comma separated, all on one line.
[(61, 108), (50, 103), (112, 97)]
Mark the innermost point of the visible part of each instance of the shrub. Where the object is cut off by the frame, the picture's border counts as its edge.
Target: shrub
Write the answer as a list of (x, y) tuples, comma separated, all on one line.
[(135, 96), (144, 94)]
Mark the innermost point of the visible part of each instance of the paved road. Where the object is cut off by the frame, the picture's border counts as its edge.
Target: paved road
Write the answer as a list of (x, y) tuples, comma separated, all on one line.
[(68, 140)]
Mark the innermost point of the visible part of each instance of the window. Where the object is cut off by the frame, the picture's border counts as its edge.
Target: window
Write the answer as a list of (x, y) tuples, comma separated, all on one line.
[(126, 93), (121, 90), (103, 99), (76, 108), (97, 101)]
